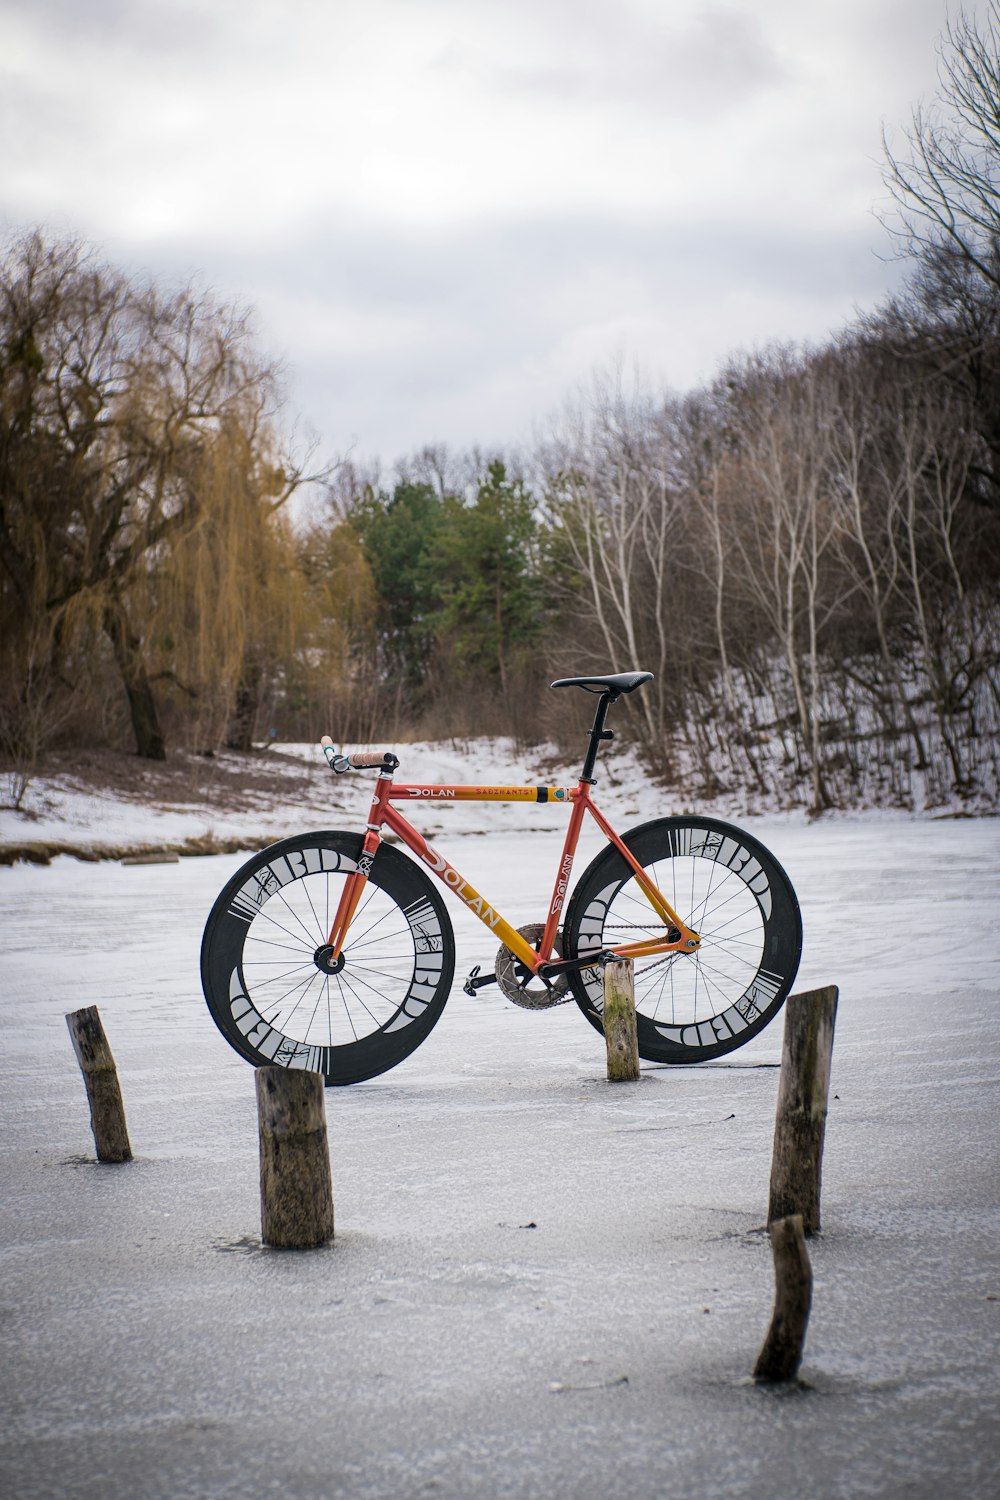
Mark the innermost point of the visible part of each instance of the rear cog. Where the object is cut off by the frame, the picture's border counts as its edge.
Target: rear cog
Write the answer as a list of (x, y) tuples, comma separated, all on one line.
[(521, 986)]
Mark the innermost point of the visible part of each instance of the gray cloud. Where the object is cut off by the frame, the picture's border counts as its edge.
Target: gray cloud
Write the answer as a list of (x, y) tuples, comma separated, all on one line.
[(157, 26), (720, 58), (446, 213), (498, 346)]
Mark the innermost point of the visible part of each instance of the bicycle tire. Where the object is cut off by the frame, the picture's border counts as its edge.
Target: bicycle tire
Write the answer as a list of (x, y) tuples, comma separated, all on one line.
[(262, 983), (731, 890)]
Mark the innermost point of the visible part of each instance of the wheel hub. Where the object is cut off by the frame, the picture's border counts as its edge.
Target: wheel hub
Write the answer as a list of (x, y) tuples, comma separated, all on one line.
[(325, 962)]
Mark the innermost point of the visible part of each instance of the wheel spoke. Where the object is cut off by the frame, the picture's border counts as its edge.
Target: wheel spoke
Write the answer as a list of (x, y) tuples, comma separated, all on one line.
[(275, 978), (310, 937), (302, 986), (349, 982), (380, 957)]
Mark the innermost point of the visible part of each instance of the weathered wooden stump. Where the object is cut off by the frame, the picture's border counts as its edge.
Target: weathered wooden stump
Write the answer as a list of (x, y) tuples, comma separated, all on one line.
[(781, 1351), (107, 1112), (296, 1193), (619, 1021), (803, 1091)]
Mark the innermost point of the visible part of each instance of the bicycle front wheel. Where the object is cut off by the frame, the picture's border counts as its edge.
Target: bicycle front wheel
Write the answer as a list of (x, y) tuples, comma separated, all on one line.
[(725, 885), (269, 982)]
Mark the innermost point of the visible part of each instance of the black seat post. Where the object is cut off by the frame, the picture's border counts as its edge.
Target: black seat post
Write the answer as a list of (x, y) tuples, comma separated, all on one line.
[(597, 734)]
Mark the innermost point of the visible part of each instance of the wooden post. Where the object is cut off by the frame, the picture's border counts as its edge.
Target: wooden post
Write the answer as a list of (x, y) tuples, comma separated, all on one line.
[(803, 1090), (296, 1194), (619, 1021), (781, 1351), (107, 1112)]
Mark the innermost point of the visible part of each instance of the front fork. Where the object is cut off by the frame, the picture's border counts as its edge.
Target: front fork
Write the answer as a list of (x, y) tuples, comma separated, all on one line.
[(351, 895), (354, 885)]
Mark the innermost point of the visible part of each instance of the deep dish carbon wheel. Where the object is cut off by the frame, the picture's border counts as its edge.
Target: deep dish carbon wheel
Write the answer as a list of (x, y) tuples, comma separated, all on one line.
[(268, 978), (725, 885)]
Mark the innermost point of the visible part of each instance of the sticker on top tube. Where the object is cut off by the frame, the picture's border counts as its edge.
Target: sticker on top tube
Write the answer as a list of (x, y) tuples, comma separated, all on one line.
[(409, 792)]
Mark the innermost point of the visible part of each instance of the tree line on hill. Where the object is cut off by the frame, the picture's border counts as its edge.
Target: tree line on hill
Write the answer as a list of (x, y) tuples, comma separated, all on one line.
[(806, 553)]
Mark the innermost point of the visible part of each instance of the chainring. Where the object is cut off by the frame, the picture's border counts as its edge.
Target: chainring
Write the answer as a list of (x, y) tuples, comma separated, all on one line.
[(525, 988)]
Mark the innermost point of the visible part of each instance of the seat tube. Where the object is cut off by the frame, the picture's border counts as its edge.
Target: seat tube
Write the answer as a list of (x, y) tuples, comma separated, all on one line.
[(597, 734), (577, 813)]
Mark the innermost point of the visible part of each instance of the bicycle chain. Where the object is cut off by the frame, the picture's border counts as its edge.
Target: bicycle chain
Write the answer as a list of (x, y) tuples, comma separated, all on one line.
[(667, 958)]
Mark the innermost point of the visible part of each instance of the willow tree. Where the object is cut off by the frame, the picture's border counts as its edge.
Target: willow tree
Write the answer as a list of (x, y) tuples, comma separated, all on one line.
[(111, 395), (333, 682), (226, 608)]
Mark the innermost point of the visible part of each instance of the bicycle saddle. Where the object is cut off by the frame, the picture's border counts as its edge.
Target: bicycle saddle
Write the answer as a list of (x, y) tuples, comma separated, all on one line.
[(615, 682)]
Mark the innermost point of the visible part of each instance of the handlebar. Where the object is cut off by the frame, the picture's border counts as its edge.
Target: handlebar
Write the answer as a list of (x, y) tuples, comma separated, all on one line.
[(358, 760)]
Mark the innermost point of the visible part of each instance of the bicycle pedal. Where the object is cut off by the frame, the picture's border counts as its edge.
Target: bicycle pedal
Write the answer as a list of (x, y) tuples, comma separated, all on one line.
[(476, 980)]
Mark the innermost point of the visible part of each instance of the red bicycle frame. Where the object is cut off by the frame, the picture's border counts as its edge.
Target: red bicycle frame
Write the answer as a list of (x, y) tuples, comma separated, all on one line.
[(384, 815)]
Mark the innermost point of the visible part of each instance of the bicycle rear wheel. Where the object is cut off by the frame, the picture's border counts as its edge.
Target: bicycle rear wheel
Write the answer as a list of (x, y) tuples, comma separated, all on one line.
[(273, 991), (725, 885)]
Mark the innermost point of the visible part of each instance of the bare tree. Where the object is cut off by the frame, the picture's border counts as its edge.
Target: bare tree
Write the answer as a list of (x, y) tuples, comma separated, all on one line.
[(946, 184), (944, 179), (782, 525), (617, 498), (874, 413)]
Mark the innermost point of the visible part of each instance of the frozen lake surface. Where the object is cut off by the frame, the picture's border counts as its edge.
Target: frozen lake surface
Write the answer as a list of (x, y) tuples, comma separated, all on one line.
[(542, 1285)]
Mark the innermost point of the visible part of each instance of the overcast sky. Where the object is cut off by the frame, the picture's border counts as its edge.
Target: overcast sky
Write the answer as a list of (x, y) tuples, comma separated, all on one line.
[(448, 212)]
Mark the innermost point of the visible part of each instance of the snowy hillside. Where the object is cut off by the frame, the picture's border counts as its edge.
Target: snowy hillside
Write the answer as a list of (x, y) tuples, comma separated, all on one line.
[(108, 806)]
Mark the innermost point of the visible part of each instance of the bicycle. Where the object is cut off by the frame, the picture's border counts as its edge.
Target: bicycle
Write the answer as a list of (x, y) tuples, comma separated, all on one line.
[(334, 952)]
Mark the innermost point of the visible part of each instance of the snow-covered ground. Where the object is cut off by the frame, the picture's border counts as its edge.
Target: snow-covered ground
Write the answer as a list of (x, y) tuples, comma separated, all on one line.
[(542, 1284), (65, 809)]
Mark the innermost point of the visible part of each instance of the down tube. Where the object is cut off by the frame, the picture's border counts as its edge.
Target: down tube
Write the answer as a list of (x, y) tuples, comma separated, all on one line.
[(456, 883)]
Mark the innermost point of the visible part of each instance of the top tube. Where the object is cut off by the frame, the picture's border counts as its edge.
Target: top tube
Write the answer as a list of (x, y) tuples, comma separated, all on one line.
[(401, 791)]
